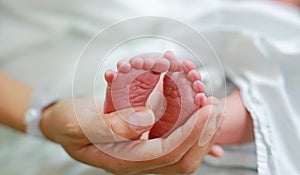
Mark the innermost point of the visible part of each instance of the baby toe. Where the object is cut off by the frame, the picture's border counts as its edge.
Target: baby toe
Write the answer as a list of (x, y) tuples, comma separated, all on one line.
[(193, 75), (149, 63), (187, 66), (198, 86), (175, 63), (161, 65), (123, 66), (137, 62), (200, 100), (109, 75)]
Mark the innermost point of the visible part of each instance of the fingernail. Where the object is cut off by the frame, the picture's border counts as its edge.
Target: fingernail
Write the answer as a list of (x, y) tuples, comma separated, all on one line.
[(142, 120), (213, 123)]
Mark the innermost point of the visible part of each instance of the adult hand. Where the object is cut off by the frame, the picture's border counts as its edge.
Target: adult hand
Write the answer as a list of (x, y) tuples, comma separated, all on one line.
[(59, 124), (64, 124)]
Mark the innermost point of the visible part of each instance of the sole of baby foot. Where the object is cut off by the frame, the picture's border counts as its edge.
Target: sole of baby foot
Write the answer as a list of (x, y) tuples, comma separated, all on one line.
[(134, 81), (184, 94)]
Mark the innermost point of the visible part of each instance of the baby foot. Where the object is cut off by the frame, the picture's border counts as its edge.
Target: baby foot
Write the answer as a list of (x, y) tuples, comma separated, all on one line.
[(184, 94), (134, 81)]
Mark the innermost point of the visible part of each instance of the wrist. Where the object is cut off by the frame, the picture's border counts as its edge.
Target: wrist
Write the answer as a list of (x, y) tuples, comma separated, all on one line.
[(45, 115), (40, 101)]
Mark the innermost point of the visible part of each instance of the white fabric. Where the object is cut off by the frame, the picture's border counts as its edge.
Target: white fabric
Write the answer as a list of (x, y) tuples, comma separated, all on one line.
[(39, 100), (258, 44)]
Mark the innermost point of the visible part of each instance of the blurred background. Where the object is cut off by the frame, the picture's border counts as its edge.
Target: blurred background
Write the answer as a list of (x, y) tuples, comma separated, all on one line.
[(41, 42)]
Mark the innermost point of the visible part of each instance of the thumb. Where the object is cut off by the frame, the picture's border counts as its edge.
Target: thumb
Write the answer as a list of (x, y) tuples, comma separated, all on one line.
[(129, 123)]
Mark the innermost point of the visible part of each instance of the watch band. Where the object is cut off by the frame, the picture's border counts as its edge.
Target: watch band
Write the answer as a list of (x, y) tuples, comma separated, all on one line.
[(39, 101)]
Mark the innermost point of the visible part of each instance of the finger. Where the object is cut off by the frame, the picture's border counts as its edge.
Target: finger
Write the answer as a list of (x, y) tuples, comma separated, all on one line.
[(130, 123), (134, 156), (190, 161), (121, 125), (174, 147), (188, 164)]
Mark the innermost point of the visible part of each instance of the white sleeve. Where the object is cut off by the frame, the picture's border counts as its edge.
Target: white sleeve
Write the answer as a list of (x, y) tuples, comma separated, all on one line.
[(268, 82)]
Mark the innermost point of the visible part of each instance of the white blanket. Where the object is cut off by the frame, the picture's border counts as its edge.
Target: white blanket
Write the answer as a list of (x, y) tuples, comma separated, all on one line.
[(258, 44)]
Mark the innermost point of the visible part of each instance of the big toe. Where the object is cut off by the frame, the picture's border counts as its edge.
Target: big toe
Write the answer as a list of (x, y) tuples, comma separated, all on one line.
[(175, 63)]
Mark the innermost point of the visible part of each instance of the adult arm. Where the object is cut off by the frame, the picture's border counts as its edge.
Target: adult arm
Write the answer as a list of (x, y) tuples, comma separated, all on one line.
[(15, 99)]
